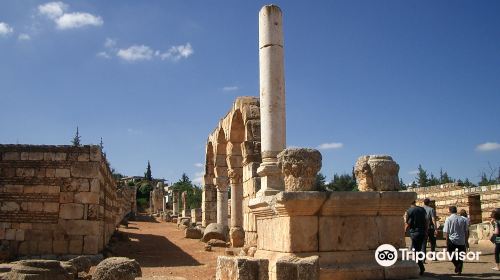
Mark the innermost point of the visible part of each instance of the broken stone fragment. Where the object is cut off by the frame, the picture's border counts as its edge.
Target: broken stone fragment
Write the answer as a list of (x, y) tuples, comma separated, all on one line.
[(300, 166)]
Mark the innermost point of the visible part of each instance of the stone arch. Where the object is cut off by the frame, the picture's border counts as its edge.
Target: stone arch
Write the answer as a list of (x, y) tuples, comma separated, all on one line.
[(235, 173)]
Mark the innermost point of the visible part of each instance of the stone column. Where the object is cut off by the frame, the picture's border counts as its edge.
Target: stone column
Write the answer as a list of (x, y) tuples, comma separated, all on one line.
[(175, 203), (236, 232), (208, 201), (222, 186), (272, 98)]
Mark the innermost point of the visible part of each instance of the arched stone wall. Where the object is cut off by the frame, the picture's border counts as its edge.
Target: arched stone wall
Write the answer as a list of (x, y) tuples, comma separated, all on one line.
[(209, 194), (232, 158)]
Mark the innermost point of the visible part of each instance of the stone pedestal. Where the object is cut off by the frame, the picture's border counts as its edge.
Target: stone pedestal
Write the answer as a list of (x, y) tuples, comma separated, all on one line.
[(343, 228), (175, 203), (196, 215)]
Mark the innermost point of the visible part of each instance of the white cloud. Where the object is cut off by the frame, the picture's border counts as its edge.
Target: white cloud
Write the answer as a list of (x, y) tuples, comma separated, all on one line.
[(333, 145), (413, 172), (198, 177), (53, 10), (109, 43), (136, 53), (56, 11), (103, 55), (5, 29), (177, 52), (230, 88), (24, 37), (199, 164), (143, 52), (488, 146), (77, 20)]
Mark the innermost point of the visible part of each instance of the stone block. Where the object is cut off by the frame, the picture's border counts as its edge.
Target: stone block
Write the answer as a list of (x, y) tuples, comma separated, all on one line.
[(71, 211), (40, 172), (49, 156), (95, 153), (288, 234), (83, 157), (95, 186), (60, 246), (62, 173), (11, 156), (241, 268), (76, 246), (53, 189), (51, 207), (294, 268), (80, 185), (66, 197), (25, 172), (10, 234), (35, 206), (14, 188), (25, 155), (90, 244), (10, 206), (85, 170), (344, 234), (81, 227), (50, 172), (86, 197), (19, 234), (45, 246), (35, 156), (60, 156)]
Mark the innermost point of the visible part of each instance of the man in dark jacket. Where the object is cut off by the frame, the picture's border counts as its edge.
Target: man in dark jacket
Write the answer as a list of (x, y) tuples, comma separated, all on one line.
[(417, 227)]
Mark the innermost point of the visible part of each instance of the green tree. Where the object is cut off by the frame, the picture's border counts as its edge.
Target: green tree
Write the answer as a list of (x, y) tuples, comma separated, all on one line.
[(343, 182), (422, 177), (320, 182), (147, 174), (433, 181), (444, 178), (76, 139), (193, 192), (402, 184)]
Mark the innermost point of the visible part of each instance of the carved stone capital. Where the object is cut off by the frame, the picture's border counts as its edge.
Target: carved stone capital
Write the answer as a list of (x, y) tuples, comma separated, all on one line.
[(235, 176), (299, 167), (377, 173), (221, 183)]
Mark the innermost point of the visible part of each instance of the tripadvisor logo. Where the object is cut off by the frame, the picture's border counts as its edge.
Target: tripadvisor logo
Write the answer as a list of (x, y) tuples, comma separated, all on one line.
[(387, 255)]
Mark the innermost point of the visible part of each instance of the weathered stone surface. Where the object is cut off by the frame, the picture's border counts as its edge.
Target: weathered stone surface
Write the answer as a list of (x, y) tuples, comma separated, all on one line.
[(193, 233), (237, 236), (117, 268), (215, 231), (377, 173), (71, 211), (299, 166), (81, 263), (294, 268), (241, 268), (38, 270), (217, 243)]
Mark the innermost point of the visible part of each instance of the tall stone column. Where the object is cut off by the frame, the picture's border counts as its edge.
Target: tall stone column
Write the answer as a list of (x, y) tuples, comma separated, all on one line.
[(175, 203), (222, 186), (236, 232), (272, 98)]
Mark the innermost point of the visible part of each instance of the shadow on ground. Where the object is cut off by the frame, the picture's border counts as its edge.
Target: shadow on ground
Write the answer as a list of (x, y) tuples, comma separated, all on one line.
[(153, 251)]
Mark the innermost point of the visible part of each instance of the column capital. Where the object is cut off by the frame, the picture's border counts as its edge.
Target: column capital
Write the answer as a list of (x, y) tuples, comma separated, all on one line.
[(221, 183), (235, 175), (299, 167)]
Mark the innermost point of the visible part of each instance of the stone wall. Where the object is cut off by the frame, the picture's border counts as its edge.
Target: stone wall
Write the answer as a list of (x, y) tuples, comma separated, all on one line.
[(58, 199), (477, 201)]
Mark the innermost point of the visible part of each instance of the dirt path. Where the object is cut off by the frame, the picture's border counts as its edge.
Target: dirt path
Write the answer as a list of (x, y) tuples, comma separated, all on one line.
[(162, 250)]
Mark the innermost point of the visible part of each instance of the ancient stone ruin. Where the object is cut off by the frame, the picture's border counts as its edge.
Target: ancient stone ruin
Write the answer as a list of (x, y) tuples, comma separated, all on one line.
[(59, 200), (291, 230)]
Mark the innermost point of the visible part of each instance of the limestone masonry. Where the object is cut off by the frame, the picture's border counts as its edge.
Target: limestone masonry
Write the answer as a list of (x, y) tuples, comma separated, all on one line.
[(58, 200)]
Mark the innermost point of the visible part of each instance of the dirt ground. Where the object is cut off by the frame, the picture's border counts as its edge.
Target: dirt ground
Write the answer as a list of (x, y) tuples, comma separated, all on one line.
[(162, 250)]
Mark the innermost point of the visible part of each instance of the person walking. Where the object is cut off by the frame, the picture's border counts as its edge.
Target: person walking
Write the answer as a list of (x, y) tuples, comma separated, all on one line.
[(433, 226), (463, 213), (495, 220), (417, 226), (456, 232)]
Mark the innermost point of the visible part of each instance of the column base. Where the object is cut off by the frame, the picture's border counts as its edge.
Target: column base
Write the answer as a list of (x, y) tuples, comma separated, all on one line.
[(271, 181)]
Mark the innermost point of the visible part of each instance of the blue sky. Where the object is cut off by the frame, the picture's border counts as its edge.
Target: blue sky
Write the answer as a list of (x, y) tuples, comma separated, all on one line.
[(418, 80)]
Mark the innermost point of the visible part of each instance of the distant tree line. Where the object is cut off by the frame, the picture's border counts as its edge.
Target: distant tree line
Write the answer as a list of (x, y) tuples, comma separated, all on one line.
[(426, 179)]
